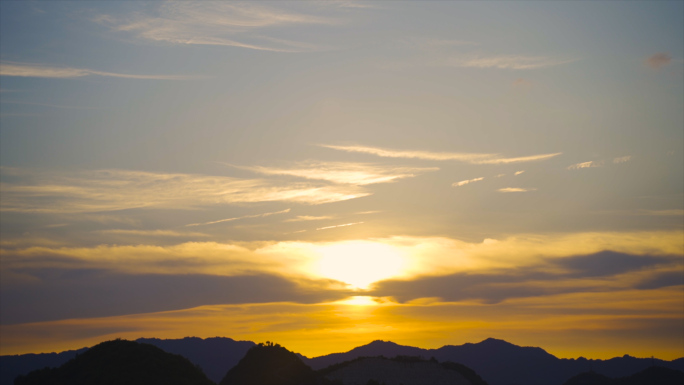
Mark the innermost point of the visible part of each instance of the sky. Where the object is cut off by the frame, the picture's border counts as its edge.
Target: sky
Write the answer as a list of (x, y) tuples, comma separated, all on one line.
[(327, 173)]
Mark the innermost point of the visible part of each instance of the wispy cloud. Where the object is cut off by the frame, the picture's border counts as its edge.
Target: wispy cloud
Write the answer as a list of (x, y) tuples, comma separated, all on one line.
[(622, 159), (465, 182), (511, 62), (520, 159), (109, 190), (302, 218), (589, 164), (344, 172), (235, 24), (344, 225), (467, 157), (44, 71), (152, 233), (473, 158), (238, 218), (658, 60), (519, 172), (515, 189)]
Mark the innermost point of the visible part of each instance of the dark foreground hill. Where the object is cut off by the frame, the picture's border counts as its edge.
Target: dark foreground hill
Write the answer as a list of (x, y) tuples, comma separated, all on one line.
[(401, 370), (655, 375), (120, 362), (272, 364), (215, 356)]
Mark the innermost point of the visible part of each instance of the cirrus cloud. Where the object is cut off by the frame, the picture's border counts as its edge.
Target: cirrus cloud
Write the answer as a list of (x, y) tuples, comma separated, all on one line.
[(45, 71)]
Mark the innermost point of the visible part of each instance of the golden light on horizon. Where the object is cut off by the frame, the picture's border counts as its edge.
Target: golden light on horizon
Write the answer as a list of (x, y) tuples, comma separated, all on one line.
[(359, 300), (359, 263)]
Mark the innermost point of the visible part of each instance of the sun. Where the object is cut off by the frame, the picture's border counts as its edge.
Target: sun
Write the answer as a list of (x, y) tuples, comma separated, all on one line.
[(359, 263)]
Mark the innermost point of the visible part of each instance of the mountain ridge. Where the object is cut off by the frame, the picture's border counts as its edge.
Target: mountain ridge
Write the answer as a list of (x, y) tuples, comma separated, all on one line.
[(497, 361)]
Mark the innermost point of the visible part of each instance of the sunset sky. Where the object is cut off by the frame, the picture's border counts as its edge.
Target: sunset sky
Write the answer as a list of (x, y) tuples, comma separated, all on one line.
[(327, 173)]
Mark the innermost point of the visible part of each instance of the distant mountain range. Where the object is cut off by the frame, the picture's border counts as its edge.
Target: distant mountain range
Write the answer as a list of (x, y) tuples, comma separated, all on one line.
[(496, 361), (501, 363)]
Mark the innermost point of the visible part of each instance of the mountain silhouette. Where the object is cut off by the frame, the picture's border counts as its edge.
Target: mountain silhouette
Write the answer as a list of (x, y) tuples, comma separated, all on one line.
[(120, 362), (401, 370), (501, 363), (13, 366), (498, 362), (272, 364), (215, 356), (655, 375)]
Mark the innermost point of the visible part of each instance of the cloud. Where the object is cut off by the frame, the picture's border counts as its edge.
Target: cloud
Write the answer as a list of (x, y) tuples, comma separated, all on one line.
[(43, 71), (589, 164), (622, 159), (238, 218), (344, 172), (519, 172), (602, 271), (660, 280), (301, 218), (243, 25), (110, 190), (473, 158), (210, 258), (658, 60), (344, 225), (67, 293), (511, 62), (465, 182), (410, 154), (152, 233), (521, 159), (515, 189), (39, 281)]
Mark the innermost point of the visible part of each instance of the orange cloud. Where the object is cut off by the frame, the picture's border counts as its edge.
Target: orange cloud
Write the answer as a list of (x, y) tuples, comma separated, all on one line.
[(659, 60)]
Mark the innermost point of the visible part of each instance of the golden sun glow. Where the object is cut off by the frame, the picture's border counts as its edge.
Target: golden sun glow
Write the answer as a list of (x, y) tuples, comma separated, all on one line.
[(359, 301), (360, 263)]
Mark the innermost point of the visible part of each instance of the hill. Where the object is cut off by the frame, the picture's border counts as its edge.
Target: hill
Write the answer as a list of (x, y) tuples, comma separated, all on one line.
[(497, 361), (655, 375), (215, 356), (401, 371), (13, 366), (120, 362), (501, 363), (271, 364)]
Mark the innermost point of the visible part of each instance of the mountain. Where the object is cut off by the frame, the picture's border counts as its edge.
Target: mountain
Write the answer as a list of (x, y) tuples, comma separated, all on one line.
[(120, 362), (502, 363), (497, 361), (655, 375), (12, 366), (215, 356), (271, 364), (401, 370), (373, 349)]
